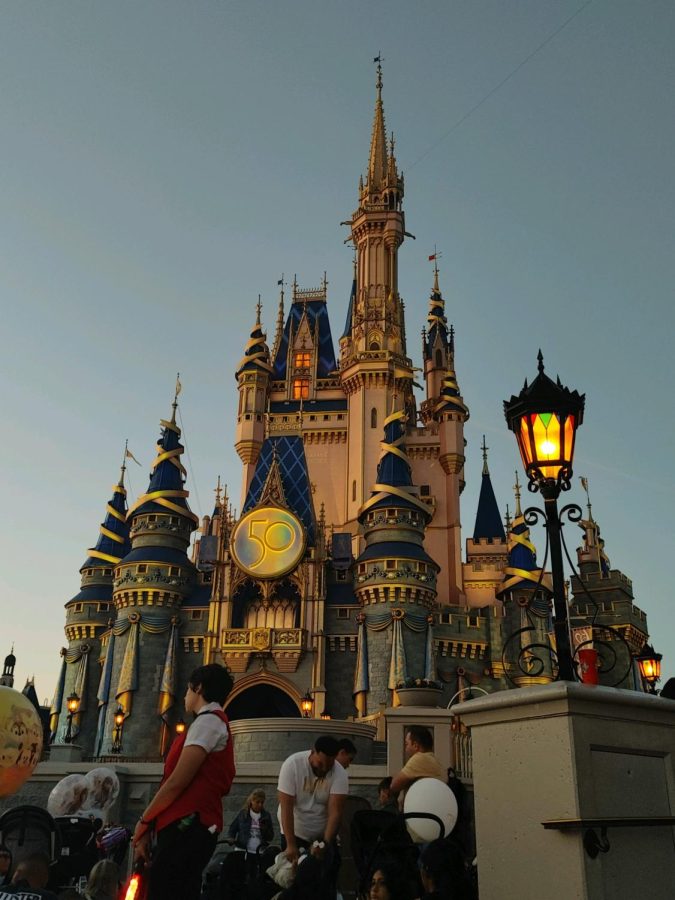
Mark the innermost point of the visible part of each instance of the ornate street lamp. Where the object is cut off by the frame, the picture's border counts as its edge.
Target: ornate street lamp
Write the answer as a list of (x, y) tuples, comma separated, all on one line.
[(72, 705), (649, 662), (306, 705), (180, 727), (544, 417), (117, 730)]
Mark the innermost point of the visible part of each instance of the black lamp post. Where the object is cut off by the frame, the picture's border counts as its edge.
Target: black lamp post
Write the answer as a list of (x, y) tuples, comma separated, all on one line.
[(545, 417), (649, 662), (72, 704), (117, 730)]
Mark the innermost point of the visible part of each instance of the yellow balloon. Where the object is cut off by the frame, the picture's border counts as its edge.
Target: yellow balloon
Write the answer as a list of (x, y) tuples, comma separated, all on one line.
[(20, 740)]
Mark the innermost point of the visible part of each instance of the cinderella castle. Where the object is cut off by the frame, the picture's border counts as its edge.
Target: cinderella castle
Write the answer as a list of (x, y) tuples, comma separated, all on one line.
[(341, 581)]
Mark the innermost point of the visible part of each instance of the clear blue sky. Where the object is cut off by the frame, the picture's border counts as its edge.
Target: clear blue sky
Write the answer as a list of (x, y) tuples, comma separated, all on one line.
[(165, 162)]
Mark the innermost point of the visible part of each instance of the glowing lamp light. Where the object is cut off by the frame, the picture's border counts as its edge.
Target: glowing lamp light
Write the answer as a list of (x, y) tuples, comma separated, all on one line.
[(73, 703), (306, 705), (544, 418), (119, 717), (325, 715), (180, 727), (649, 662)]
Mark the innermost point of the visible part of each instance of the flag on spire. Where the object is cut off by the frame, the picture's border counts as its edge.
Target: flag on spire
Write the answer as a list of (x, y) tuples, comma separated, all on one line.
[(129, 455)]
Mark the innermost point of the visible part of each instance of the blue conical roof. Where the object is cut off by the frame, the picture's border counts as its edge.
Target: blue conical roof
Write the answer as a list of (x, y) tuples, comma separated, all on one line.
[(488, 519), (394, 479), (166, 491), (256, 355), (521, 571), (350, 311), (113, 540)]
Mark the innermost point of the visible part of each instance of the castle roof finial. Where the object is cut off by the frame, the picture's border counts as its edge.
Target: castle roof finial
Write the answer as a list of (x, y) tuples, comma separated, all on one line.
[(258, 310), (377, 163), (516, 491), (280, 319), (485, 449), (584, 485), (179, 388)]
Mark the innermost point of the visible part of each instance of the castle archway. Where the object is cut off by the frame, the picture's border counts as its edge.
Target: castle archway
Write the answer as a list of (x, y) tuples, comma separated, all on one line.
[(262, 701)]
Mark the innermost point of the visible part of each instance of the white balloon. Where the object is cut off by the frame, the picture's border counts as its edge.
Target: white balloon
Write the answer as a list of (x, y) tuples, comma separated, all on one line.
[(69, 796), (429, 795), (104, 788)]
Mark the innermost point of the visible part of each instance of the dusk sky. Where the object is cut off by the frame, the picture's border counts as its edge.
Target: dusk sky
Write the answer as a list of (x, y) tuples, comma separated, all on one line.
[(164, 162)]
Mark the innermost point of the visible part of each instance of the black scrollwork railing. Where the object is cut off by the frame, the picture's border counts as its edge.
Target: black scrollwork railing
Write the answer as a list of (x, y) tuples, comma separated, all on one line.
[(529, 653)]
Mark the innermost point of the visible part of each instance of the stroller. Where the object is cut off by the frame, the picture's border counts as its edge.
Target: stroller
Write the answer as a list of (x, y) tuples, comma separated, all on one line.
[(378, 836), (239, 875), (29, 829)]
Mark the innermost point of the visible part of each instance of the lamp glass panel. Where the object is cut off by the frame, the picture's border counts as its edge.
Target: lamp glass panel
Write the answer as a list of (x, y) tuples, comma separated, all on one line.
[(547, 434), (524, 442)]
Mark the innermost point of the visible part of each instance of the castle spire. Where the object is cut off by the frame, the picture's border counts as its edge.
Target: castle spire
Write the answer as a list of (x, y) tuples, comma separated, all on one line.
[(377, 161), (488, 519), (279, 331), (256, 354)]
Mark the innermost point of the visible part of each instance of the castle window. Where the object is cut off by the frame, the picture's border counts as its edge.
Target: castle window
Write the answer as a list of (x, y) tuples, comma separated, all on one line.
[(141, 569), (445, 618), (312, 418), (353, 490), (300, 389), (341, 576), (152, 518), (373, 418), (302, 360), (103, 607), (326, 418), (78, 607), (196, 613), (421, 567), (374, 345), (173, 520), (343, 613), (439, 359), (340, 416), (425, 490), (390, 564), (174, 571), (207, 577), (107, 571), (472, 621), (362, 568)]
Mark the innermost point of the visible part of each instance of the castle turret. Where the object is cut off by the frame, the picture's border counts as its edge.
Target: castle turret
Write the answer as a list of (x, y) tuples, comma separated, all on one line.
[(253, 378), (150, 585), (437, 345), (7, 677), (88, 615), (395, 576), (486, 551), (526, 594)]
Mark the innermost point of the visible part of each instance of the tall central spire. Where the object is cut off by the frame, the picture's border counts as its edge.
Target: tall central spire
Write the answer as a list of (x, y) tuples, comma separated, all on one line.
[(377, 163)]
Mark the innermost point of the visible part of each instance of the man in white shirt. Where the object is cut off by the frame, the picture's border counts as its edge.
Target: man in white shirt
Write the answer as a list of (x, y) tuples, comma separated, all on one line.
[(312, 793)]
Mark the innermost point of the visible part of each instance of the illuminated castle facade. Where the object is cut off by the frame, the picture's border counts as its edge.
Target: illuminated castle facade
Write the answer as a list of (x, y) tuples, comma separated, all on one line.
[(342, 577)]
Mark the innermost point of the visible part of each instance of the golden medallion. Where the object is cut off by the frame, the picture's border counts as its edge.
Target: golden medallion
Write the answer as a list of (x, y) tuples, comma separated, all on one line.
[(268, 542)]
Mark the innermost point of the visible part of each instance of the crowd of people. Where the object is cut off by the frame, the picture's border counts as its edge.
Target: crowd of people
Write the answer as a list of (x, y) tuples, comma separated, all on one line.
[(176, 834)]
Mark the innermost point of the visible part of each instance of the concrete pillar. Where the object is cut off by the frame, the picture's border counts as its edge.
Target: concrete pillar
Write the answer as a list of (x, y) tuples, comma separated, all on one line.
[(567, 751)]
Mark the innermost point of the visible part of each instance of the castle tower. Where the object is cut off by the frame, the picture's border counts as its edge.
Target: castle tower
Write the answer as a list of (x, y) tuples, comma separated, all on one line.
[(601, 596), (253, 378), (395, 578), (7, 677), (486, 551), (373, 360), (151, 583), (443, 415), (526, 594), (88, 615)]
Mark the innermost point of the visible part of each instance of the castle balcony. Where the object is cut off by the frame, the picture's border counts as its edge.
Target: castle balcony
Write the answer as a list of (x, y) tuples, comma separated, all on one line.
[(284, 645)]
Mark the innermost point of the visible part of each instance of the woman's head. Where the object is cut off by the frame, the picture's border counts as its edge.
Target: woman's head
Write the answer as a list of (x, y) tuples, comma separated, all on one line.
[(104, 880), (213, 683), (256, 800), (388, 882)]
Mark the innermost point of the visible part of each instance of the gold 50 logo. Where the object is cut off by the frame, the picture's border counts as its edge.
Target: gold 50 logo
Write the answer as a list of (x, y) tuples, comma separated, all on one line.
[(268, 542)]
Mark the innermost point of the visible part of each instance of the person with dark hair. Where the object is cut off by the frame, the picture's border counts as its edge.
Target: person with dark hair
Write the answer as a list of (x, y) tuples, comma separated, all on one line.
[(312, 793), (421, 762), (5, 865), (442, 872), (186, 813), (386, 799), (388, 882), (346, 753), (30, 879)]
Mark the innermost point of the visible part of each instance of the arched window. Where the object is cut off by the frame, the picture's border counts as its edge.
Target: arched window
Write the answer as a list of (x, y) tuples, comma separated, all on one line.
[(374, 345), (373, 418), (439, 359), (353, 490)]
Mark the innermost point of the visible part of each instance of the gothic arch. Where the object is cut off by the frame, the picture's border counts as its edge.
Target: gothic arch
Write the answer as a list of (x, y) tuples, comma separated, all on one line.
[(266, 693)]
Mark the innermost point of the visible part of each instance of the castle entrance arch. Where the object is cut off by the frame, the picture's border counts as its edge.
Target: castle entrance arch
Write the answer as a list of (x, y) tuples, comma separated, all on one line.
[(262, 701)]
